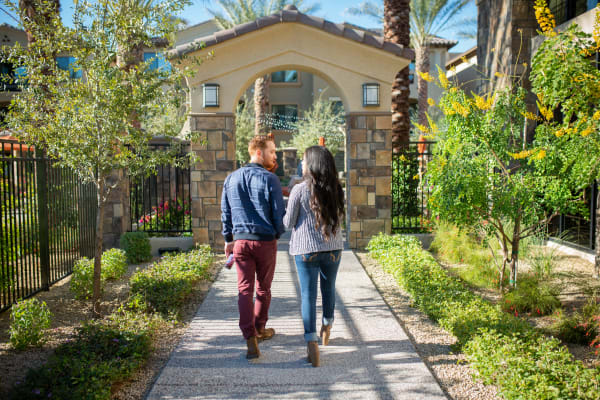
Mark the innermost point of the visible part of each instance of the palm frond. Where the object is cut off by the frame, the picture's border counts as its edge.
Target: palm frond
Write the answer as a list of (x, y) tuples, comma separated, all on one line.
[(368, 9)]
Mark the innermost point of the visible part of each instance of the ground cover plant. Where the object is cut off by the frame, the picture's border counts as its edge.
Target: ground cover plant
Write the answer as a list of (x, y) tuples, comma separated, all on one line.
[(503, 349), (136, 246), (163, 287), (29, 320), (114, 265), (107, 351)]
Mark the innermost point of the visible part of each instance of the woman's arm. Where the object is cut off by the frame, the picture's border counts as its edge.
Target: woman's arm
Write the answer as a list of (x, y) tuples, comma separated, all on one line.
[(293, 207)]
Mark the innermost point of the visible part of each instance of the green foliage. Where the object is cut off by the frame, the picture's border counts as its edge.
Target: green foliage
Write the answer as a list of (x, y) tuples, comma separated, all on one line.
[(86, 367), (82, 279), (114, 264), (486, 177), (531, 296), (474, 263), (242, 11), (137, 247), (322, 119), (566, 80), (530, 366), (504, 350), (244, 131), (28, 321), (582, 327), (164, 286)]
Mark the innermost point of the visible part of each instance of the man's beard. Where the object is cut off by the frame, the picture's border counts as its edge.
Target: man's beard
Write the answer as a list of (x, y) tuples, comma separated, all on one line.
[(269, 164)]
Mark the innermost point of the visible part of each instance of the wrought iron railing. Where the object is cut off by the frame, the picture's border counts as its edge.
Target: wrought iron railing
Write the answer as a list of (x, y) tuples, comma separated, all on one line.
[(47, 221), (410, 189), (161, 203)]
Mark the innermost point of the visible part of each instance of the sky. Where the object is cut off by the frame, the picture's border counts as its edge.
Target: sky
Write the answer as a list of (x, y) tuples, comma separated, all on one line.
[(331, 10)]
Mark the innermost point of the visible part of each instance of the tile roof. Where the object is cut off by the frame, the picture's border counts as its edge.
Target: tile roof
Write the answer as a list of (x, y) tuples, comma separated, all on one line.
[(291, 14)]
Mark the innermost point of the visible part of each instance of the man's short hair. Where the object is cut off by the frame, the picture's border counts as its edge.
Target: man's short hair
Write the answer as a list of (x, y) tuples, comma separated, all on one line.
[(260, 142)]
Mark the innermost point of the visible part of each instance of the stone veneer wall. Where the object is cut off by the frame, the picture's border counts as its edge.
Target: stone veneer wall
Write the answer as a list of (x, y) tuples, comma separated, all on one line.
[(116, 213), (369, 176), (216, 152)]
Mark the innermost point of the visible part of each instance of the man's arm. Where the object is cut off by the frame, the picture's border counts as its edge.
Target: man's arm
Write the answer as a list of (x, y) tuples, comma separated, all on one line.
[(226, 220)]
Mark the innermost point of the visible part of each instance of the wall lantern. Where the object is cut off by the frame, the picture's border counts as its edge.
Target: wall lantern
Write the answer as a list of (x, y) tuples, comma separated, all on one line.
[(370, 94), (211, 94)]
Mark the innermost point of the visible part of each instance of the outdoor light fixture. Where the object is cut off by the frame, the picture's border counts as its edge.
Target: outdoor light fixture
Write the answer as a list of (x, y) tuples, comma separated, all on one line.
[(370, 94), (211, 94)]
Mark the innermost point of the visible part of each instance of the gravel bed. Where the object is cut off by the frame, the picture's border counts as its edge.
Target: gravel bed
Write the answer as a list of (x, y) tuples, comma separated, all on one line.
[(432, 343)]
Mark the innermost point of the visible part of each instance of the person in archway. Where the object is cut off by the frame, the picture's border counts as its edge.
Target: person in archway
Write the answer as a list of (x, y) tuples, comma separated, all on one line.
[(252, 210), (315, 212)]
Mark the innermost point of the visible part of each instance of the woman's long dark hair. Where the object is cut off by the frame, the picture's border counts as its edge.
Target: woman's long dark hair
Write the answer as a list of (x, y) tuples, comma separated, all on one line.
[(326, 194)]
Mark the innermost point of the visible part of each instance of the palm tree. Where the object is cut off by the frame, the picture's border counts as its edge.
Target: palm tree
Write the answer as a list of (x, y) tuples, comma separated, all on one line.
[(396, 29), (427, 19), (241, 11)]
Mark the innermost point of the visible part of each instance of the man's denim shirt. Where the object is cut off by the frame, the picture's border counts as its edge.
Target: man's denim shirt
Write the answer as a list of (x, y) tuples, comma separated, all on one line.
[(252, 206)]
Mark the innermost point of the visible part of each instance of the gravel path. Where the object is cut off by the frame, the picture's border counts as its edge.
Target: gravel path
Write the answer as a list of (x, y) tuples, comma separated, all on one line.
[(433, 344)]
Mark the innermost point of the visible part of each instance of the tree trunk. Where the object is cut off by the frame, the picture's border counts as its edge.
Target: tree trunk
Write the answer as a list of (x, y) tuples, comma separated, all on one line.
[(261, 104), (597, 240), (422, 65), (97, 288), (514, 257), (396, 28)]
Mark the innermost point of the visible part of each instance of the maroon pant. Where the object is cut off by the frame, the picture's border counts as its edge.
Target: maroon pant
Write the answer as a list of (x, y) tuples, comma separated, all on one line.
[(254, 258)]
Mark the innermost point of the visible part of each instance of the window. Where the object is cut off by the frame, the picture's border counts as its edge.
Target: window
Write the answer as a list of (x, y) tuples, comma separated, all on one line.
[(68, 64), (284, 77), (411, 72), (283, 116), (157, 61), (565, 10)]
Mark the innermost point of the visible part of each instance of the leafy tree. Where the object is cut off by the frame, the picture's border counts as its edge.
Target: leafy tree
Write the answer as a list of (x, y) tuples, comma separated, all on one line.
[(486, 175), (240, 11), (244, 131), (99, 121), (427, 19), (566, 79), (322, 119)]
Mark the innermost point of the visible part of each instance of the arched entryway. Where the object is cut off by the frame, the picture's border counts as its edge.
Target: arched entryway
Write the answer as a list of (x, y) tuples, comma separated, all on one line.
[(359, 65)]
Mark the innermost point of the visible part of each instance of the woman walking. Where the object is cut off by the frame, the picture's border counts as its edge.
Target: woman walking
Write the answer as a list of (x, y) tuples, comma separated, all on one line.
[(315, 212)]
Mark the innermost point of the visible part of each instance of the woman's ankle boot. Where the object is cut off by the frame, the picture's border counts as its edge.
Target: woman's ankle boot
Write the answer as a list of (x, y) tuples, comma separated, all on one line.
[(325, 332), (313, 354)]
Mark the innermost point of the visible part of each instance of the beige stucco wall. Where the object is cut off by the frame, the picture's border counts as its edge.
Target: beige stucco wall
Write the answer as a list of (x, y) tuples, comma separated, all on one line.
[(344, 64)]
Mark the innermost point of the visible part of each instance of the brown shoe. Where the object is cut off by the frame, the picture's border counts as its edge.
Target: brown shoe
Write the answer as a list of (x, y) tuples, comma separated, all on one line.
[(253, 351), (325, 332), (313, 354), (265, 334)]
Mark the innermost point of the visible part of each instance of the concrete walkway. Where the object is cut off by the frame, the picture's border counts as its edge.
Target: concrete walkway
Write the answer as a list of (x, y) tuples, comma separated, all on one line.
[(369, 355)]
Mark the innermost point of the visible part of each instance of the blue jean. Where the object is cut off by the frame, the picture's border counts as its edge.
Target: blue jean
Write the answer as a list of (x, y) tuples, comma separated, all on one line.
[(310, 267)]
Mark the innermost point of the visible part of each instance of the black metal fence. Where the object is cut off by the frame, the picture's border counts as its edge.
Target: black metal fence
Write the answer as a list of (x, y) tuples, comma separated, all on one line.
[(578, 230), (161, 203), (47, 221), (410, 189)]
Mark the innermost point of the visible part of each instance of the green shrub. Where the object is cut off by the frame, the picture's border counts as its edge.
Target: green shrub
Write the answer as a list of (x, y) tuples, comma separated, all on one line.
[(28, 321), (163, 287), (86, 367), (137, 247), (503, 349), (531, 367), (581, 327), (531, 296), (82, 279), (114, 264)]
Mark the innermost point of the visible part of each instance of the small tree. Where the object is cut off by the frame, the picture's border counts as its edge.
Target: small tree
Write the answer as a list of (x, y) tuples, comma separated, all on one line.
[(99, 122), (244, 130), (322, 119), (566, 79), (485, 175)]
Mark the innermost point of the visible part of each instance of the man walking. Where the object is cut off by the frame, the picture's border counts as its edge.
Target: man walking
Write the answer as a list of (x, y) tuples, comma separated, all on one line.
[(252, 215)]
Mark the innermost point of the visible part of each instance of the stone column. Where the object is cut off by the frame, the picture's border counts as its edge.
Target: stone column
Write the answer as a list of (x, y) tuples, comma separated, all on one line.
[(116, 214), (216, 152), (290, 161), (369, 176)]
